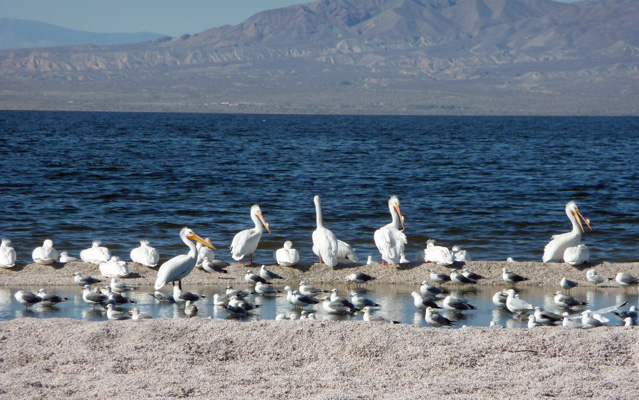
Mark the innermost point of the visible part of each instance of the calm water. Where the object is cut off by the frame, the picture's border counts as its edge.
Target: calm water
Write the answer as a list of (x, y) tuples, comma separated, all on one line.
[(496, 186)]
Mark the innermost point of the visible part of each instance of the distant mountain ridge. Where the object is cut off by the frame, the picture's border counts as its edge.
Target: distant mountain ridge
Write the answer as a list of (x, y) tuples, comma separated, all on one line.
[(389, 56), (18, 33)]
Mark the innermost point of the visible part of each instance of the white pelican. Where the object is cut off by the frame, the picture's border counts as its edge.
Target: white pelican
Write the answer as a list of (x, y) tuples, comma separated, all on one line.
[(577, 255), (287, 256), (203, 251), (345, 253), (390, 241), (7, 254), (145, 254), (114, 268), (437, 254), (324, 240), (95, 254), (180, 266), (245, 242), (559, 243), (46, 254)]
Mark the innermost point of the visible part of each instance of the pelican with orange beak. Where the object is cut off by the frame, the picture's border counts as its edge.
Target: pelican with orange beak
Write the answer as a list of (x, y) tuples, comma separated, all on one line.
[(389, 239), (246, 241), (180, 266), (559, 243)]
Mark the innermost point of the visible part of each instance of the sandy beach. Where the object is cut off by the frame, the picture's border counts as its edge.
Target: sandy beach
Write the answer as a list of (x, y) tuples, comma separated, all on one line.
[(202, 358)]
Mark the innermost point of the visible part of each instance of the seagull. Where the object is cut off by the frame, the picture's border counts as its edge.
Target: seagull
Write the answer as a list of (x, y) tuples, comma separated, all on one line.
[(556, 248), (114, 314), (336, 298), (27, 299), (45, 254), (359, 278), (499, 299), (268, 275), (360, 301), (532, 323), (298, 299), (114, 268), (136, 315), (252, 278), (423, 302), (336, 307), (95, 254), (190, 310), (546, 317), (66, 258), (459, 279), (145, 255), (471, 275), (435, 319), (202, 252), (632, 313), (629, 321), (426, 289), (50, 299), (82, 280), (595, 278), (369, 260), (178, 267), (93, 297), (437, 254), (120, 287), (390, 241), (457, 304), (210, 266), (567, 284), (569, 322), (516, 305), (246, 241), (265, 290), (7, 254), (460, 255), (117, 297), (511, 277), (180, 295), (439, 277), (324, 240), (369, 317), (287, 256), (626, 280), (565, 301), (162, 298), (345, 253), (590, 321), (309, 290), (577, 255)]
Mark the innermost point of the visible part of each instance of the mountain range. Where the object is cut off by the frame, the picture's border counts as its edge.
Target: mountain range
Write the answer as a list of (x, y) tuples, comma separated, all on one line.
[(533, 57)]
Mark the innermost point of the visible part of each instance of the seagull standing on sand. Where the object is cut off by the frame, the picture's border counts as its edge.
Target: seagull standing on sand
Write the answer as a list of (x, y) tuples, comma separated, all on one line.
[(511, 278), (246, 241), (556, 248), (594, 277), (45, 254), (82, 280), (390, 241), (626, 280)]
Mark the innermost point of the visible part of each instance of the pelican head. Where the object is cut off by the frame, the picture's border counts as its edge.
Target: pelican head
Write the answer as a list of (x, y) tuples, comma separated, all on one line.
[(190, 235), (571, 208), (257, 211), (393, 204)]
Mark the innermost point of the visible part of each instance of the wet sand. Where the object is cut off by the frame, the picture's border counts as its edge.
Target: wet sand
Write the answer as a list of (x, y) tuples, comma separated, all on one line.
[(202, 358)]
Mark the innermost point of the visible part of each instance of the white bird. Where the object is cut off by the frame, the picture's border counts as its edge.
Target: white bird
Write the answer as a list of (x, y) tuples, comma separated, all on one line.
[(532, 322), (180, 266), (45, 254), (27, 299), (369, 317), (114, 268), (577, 255), (403, 259), (211, 266), (7, 254), (265, 290), (252, 278), (435, 319), (500, 298), (336, 307), (298, 299), (439, 277), (203, 252), (309, 290), (423, 302), (426, 289), (626, 280), (567, 284), (324, 240), (460, 279), (120, 287), (82, 280), (359, 278), (556, 248), (566, 301), (145, 255), (511, 277), (190, 310), (589, 320), (181, 296), (546, 317), (361, 301), (93, 297), (390, 241), (287, 256), (95, 254), (594, 277), (136, 315), (66, 258), (515, 304), (345, 253), (246, 241), (454, 303), (268, 274), (437, 254), (114, 314), (460, 255), (369, 260), (50, 299)]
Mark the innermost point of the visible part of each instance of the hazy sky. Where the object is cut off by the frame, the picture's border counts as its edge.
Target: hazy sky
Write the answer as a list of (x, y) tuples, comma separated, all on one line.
[(169, 17)]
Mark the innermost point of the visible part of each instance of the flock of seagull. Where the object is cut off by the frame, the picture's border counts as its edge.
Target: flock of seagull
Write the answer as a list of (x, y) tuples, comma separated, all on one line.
[(389, 239)]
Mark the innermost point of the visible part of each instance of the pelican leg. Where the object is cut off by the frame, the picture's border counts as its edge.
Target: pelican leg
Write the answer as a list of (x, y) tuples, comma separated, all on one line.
[(321, 262), (251, 258)]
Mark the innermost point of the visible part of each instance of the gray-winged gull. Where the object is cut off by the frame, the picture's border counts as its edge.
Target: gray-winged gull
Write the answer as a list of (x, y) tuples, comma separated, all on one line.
[(50, 299), (512, 278), (565, 301), (516, 305), (423, 302), (454, 303), (268, 274), (82, 280), (435, 319), (27, 299), (114, 314), (594, 277), (626, 280)]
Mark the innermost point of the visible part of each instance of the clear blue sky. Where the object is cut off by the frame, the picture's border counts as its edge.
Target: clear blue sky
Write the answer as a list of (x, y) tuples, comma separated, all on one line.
[(169, 17)]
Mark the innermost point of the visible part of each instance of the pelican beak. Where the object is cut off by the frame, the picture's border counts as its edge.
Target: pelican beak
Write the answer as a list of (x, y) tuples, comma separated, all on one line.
[(197, 238), (263, 222), (401, 217), (579, 216)]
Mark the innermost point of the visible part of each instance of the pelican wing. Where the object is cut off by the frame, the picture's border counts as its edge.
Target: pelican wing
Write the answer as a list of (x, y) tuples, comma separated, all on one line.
[(245, 242), (174, 270), (325, 245), (390, 242)]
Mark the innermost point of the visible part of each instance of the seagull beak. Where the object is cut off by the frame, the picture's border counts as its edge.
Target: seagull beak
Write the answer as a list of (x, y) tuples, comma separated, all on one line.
[(263, 222), (197, 238), (401, 217)]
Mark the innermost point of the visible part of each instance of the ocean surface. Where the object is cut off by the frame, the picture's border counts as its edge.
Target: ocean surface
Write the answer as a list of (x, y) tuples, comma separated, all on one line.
[(495, 186)]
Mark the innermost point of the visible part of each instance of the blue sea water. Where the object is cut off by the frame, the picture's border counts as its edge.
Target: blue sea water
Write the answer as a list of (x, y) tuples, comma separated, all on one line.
[(496, 186)]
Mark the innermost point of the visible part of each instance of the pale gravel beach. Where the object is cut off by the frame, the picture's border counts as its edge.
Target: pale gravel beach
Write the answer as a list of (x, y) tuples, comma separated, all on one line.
[(201, 358)]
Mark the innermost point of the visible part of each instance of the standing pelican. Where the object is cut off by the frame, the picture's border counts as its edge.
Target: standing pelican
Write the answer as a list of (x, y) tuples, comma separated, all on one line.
[(180, 266), (245, 242), (389, 239), (145, 254), (559, 243), (7, 254), (46, 254), (324, 240)]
